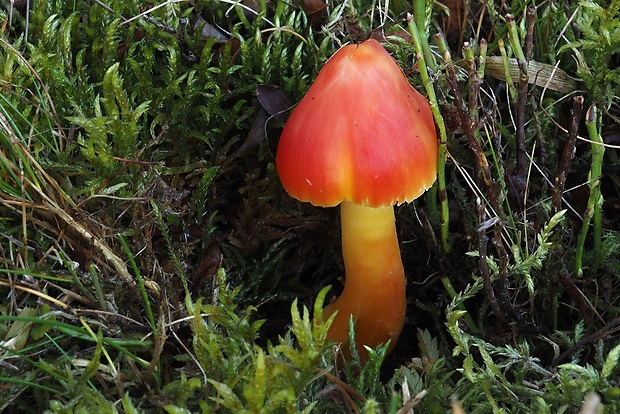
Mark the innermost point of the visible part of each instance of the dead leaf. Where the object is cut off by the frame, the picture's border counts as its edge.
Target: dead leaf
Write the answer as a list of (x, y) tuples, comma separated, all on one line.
[(539, 74), (257, 132), (207, 269), (235, 44), (208, 30), (274, 104), (315, 10), (274, 101)]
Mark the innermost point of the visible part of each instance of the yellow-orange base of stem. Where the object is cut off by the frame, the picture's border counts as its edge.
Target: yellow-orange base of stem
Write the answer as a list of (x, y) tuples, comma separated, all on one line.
[(374, 290)]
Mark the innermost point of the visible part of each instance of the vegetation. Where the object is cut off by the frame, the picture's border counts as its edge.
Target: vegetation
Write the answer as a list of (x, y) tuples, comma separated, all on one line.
[(150, 261)]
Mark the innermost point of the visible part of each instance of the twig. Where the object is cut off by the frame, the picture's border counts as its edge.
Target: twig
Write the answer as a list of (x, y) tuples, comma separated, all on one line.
[(523, 56), (609, 329), (568, 154), (484, 267), (470, 129), (344, 389)]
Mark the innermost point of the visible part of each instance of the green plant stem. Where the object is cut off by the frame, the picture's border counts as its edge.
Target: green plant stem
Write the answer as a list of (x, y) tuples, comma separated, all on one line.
[(512, 90), (443, 139), (97, 286), (29, 384), (522, 61), (447, 284), (482, 58), (513, 36), (419, 15), (145, 295), (598, 152), (443, 48), (595, 201)]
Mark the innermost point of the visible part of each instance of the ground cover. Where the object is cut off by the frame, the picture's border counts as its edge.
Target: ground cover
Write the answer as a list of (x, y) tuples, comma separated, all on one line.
[(150, 260)]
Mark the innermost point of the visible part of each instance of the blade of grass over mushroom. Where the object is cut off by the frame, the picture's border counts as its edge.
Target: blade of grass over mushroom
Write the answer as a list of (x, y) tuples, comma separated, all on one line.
[(422, 11), (418, 43), (442, 158)]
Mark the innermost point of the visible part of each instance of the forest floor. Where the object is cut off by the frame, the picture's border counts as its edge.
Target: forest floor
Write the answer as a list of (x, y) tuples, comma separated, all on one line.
[(151, 260)]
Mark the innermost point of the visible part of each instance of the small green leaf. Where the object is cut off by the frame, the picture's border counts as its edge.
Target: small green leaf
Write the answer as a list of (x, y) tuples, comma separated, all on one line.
[(17, 336), (93, 365), (611, 362), (468, 369), (227, 396)]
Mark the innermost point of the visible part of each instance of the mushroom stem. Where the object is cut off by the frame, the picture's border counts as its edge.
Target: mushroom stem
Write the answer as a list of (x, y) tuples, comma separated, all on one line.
[(374, 290)]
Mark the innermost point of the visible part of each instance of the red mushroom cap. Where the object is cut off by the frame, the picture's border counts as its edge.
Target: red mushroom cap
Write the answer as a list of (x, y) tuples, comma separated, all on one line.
[(362, 133)]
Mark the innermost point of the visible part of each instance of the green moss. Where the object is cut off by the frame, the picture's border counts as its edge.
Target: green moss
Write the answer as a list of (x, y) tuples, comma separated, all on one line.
[(148, 264)]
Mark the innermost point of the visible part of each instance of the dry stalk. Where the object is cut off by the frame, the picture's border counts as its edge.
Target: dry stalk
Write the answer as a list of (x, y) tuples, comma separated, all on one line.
[(568, 154)]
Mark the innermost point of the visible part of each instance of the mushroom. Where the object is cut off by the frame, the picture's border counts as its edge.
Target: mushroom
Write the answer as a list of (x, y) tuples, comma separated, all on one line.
[(364, 138)]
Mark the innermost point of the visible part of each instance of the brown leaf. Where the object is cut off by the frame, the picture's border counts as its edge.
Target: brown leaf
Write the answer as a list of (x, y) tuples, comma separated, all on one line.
[(274, 101), (207, 269), (208, 30), (254, 8), (314, 9), (235, 44), (257, 133), (274, 105), (451, 17)]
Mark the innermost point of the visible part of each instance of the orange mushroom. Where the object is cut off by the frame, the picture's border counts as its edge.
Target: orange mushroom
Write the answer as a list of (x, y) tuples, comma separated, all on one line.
[(363, 138)]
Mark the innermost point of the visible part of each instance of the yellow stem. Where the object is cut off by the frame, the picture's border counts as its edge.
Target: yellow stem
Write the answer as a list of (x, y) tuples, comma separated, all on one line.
[(374, 290)]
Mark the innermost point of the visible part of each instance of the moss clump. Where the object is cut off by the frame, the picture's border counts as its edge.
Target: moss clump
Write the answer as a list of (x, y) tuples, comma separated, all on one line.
[(136, 164)]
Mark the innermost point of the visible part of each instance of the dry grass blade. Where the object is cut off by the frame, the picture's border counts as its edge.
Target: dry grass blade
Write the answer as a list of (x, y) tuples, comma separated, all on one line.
[(34, 292), (539, 74), (41, 186)]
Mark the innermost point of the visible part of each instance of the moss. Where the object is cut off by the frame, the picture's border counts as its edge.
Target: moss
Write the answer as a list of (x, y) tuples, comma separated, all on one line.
[(149, 255)]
